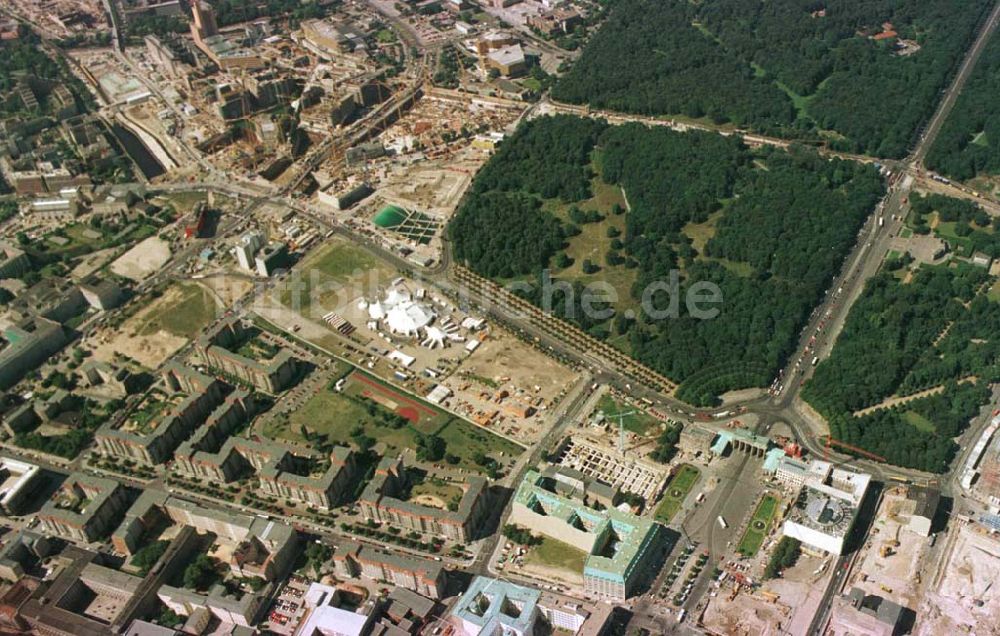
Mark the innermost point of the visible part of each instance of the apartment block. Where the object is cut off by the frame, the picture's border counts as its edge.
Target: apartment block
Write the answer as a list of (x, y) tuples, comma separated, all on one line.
[(271, 370), (284, 471), (152, 439), (380, 502), (85, 508), (259, 547), (418, 575)]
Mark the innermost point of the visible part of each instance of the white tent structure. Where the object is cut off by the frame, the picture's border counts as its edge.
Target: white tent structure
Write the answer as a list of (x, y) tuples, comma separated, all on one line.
[(402, 315)]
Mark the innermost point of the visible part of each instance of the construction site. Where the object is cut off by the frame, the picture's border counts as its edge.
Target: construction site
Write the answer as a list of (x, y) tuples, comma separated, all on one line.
[(962, 596), (892, 562)]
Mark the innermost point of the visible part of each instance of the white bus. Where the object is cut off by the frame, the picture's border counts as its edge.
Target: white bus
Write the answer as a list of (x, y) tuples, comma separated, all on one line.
[(722, 522)]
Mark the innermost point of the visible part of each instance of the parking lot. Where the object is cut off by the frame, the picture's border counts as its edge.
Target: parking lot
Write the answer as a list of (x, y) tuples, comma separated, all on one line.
[(287, 610)]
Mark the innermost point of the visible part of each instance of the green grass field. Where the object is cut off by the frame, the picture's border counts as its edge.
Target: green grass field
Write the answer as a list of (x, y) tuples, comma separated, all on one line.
[(638, 422), (184, 312), (443, 490), (994, 293), (330, 268), (919, 422), (759, 526), (557, 556), (677, 490), (335, 415), (593, 242)]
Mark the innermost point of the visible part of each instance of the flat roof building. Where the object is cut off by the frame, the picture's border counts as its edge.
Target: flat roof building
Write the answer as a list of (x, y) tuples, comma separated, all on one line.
[(157, 426), (826, 507), (260, 547), (380, 502), (229, 345), (418, 575), (85, 508), (617, 543), (491, 607), (18, 482)]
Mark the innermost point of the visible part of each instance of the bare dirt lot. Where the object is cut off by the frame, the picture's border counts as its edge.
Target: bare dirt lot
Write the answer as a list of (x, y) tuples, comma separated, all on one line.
[(784, 605), (143, 259), (965, 597), (503, 365), (161, 328)]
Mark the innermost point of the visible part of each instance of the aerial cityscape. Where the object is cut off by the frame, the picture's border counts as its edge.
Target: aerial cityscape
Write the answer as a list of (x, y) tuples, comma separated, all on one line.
[(499, 317)]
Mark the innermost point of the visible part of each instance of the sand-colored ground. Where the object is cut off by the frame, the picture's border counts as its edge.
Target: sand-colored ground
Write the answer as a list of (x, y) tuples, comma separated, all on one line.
[(747, 615), (227, 289), (429, 500), (142, 260), (783, 605), (150, 351), (965, 599), (502, 363), (141, 337), (898, 570)]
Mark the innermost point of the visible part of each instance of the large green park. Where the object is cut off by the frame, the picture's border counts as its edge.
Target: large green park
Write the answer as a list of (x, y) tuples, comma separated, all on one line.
[(630, 207)]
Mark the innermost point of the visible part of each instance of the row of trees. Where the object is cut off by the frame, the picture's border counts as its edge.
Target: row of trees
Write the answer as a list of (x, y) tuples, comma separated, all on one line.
[(733, 61)]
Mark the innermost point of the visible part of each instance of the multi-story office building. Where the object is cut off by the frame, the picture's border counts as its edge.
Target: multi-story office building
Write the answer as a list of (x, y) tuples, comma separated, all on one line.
[(617, 543)]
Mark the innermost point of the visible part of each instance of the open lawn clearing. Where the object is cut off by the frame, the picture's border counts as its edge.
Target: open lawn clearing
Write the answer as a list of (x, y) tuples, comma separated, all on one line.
[(183, 310), (332, 276), (556, 555), (159, 329), (760, 524), (676, 492), (421, 415), (337, 415), (701, 233), (431, 491), (919, 421), (636, 421)]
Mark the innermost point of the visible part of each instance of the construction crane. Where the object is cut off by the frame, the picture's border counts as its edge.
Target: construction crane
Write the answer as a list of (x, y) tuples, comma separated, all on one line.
[(829, 442), (621, 428)]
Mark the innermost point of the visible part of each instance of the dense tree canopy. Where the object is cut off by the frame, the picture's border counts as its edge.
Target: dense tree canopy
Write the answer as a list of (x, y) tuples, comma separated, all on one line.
[(783, 222), (937, 332), (791, 67), (968, 144), (481, 231)]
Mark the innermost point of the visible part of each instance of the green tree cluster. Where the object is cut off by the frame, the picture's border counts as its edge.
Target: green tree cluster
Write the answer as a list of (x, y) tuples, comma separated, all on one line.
[(788, 218), (779, 67), (968, 144), (784, 556), (899, 339)]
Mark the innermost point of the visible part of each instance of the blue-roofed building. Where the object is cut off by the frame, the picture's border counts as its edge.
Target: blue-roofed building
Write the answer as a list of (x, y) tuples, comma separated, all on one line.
[(491, 607), (617, 543), (990, 521), (742, 440)]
